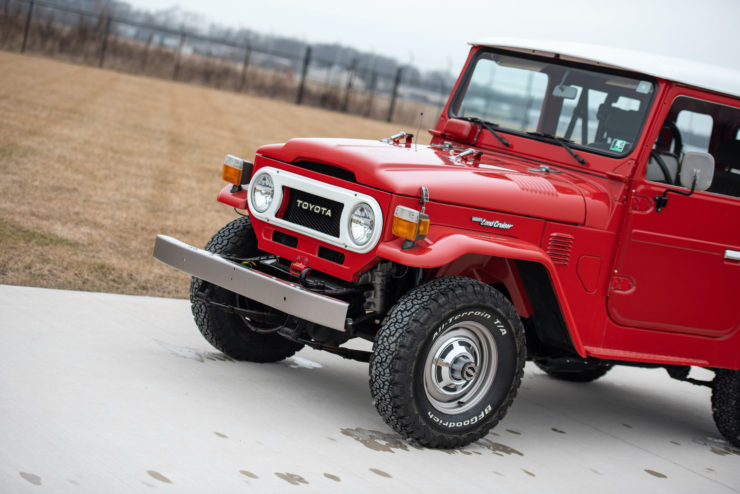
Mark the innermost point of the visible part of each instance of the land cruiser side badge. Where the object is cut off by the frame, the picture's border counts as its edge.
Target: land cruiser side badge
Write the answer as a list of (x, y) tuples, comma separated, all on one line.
[(492, 223)]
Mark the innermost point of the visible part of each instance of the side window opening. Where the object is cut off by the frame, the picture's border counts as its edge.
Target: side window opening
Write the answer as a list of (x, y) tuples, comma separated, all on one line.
[(701, 126)]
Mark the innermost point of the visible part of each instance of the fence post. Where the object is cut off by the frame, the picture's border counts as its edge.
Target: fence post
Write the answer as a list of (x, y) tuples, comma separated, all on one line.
[(244, 68), (306, 61), (396, 83), (352, 69), (105, 42), (28, 25), (373, 85), (145, 58), (177, 56)]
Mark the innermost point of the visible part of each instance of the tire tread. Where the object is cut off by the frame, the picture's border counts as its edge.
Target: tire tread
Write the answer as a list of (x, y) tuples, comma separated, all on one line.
[(726, 404), (227, 332), (405, 325)]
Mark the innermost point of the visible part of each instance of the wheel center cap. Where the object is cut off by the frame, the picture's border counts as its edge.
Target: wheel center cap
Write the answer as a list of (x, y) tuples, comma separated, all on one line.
[(464, 369), (469, 371)]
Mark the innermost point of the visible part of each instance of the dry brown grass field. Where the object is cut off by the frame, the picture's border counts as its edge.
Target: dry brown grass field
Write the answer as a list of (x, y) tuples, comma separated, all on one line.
[(96, 163)]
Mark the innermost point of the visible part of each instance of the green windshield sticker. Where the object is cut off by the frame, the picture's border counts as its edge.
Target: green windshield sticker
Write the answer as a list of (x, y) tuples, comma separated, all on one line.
[(618, 145)]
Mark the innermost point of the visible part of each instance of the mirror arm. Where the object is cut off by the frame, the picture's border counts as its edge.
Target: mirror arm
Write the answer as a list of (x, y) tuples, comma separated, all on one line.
[(662, 201)]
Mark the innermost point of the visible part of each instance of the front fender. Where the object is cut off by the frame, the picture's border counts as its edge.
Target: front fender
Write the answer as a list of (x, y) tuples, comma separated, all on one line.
[(445, 245), (234, 199)]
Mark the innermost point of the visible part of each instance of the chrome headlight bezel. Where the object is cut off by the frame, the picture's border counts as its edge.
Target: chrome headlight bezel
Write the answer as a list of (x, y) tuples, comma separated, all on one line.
[(361, 221)]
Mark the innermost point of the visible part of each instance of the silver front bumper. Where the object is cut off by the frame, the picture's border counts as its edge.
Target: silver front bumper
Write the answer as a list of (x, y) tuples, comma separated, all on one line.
[(284, 296)]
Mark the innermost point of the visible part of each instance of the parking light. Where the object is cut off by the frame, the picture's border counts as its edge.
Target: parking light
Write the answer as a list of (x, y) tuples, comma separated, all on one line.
[(410, 225), (236, 171)]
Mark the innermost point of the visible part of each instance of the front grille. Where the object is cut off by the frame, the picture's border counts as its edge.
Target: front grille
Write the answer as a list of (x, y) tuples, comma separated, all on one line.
[(314, 212)]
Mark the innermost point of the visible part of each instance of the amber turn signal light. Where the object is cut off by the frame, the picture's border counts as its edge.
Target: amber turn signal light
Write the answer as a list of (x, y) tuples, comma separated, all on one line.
[(410, 224), (236, 170)]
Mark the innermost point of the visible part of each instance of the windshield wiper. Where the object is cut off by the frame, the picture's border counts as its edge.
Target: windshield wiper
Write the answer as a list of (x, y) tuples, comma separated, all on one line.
[(563, 142), (489, 126)]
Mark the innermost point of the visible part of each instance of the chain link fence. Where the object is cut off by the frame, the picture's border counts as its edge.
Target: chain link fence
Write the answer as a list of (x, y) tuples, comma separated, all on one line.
[(304, 75)]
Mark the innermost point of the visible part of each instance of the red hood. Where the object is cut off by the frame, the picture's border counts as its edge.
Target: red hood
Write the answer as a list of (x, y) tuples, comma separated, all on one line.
[(499, 184)]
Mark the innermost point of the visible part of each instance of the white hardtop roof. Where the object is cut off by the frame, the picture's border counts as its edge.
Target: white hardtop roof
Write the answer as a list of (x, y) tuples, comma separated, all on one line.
[(694, 73)]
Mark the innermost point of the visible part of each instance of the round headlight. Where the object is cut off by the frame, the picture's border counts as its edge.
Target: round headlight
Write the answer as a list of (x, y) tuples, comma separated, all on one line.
[(361, 224), (262, 193)]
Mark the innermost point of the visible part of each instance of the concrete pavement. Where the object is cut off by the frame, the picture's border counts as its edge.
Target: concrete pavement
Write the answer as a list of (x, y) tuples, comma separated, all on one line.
[(114, 393)]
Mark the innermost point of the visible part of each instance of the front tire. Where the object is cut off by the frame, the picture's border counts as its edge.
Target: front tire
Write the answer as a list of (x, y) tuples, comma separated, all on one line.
[(726, 404), (447, 362), (227, 332)]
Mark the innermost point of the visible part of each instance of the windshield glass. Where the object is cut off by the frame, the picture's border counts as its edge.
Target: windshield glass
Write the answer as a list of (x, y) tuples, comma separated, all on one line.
[(599, 111)]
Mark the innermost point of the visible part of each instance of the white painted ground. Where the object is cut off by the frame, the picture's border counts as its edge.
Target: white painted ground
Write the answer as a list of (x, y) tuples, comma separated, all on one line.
[(112, 393)]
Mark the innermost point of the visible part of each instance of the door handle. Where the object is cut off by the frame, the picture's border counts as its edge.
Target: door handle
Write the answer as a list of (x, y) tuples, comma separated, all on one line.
[(732, 255)]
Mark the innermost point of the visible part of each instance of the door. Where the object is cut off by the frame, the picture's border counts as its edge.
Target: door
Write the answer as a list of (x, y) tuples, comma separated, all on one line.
[(678, 270)]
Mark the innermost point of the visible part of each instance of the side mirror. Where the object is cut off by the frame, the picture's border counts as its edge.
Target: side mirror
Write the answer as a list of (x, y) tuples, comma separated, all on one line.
[(697, 171), (699, 167), (565, 92)]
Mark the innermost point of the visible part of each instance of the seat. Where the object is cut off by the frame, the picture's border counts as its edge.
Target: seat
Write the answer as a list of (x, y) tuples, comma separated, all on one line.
[(668, 148), (655, 172)]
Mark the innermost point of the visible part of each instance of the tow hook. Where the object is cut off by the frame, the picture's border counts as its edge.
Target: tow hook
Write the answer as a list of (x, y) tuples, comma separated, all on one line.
[(298, 266)]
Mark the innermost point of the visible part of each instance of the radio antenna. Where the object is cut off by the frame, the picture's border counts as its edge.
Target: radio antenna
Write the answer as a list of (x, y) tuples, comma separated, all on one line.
[(418, 129)]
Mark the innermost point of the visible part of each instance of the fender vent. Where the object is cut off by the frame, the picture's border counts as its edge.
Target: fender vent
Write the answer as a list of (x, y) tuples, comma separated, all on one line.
[(559, 247)]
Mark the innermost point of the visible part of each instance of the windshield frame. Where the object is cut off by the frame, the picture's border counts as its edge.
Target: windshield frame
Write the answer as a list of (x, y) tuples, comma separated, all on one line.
[(486, 52)]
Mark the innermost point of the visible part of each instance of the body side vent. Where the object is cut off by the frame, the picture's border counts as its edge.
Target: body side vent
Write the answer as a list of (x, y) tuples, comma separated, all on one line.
[(559, 247)]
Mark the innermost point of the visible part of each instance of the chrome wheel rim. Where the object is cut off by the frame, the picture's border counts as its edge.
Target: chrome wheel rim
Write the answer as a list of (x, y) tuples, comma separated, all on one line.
[(460, 367)]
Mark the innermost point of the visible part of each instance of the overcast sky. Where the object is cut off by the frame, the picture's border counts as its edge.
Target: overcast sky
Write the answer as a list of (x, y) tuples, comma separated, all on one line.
[(434, 34)]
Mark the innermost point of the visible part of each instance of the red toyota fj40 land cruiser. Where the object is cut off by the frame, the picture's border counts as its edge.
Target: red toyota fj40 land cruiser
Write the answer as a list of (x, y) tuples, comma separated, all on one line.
[(578, 206)]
